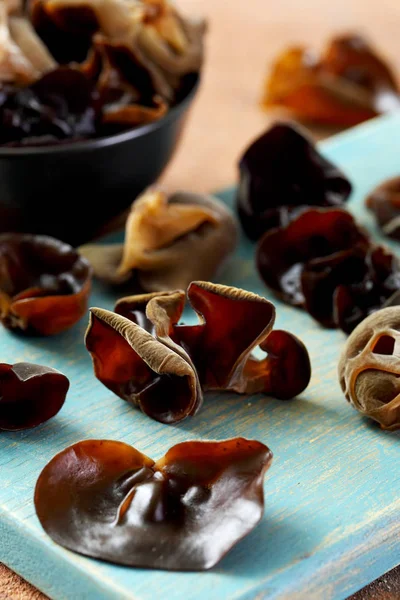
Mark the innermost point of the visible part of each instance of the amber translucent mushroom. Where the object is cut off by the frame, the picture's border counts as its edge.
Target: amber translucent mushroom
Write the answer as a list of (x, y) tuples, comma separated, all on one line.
[(281, 173), (369, 368), (346, 85), (170, 240), (29, 395), (323, 262), (146, 357), (44, 284), (106, 500), (384, 203)]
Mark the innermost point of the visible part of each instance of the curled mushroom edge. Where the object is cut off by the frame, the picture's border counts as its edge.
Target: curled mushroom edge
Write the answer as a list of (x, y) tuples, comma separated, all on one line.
[(146, 356)]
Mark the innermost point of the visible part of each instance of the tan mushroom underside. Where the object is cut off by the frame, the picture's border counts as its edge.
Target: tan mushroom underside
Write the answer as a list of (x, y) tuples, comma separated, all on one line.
[(23, 56), (169, 242), (371, 380)]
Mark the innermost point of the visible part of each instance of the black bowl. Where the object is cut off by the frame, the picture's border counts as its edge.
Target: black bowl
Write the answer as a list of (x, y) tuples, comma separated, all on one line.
[(71, 191)]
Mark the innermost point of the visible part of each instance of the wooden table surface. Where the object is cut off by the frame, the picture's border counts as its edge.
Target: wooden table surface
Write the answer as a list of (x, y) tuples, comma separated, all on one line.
[(244, 36)]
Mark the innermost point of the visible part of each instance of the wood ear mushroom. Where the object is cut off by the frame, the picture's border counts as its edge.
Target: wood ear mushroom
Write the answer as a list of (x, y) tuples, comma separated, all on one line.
[(29, 395), (107, 500), (281, 174), (169, 242), (369, 368), (346, 85), (146, 357), (44, 284), (325, 263)]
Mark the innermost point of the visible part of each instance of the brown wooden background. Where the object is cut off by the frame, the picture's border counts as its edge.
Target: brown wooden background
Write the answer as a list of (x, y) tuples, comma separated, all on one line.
[(243, 38)]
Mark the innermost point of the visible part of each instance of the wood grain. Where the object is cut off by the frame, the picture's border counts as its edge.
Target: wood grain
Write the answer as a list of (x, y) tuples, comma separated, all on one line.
[(243, 39)]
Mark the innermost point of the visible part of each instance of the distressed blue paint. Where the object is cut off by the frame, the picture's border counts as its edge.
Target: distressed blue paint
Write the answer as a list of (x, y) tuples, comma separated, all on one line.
[(332, 495)]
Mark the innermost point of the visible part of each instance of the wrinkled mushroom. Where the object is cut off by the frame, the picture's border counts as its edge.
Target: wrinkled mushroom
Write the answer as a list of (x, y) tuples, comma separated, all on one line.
[(23, 56), (107, 500), (143, 355), (169, 242), (348, 84), (151, 33), (29, 395), (384, 202), (281, 173), (323, 262), (146, 371), (369, 368), (44, 284)]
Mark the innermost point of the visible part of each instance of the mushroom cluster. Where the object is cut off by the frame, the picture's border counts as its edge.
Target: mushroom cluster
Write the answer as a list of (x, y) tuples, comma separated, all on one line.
[(73, 70), (310, 251), (346, 85), (107, 500), (144, 355)]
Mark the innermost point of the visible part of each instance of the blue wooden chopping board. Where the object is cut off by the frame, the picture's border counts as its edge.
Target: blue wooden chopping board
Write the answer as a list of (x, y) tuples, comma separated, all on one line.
[(332, 505)]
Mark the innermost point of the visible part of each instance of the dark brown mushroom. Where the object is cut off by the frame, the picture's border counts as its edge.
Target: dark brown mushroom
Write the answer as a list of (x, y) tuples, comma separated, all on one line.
[(44, 284), (281, 174), (105, 499), (346, 85), (29, 395), (384, 202), (141, 369), (369, 368), (146, 357), (323, 262), (169, 242)]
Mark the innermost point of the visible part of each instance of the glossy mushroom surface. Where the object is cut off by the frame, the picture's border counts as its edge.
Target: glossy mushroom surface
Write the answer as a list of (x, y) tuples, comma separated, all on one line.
[(282, 173), (169, 242), (44, 284), (384, 203), (369, 368), (107, 500), (146, 356), (29, 395), (347, 84), (323, 262)]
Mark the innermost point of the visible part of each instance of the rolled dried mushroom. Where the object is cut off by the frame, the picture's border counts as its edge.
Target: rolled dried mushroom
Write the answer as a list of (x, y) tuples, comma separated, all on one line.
[(281, 173), (107, 500), (369, 368), (169, 242), (146, 357), (324, 262), (29, 395), (384, 202), (44, 284), (346, 85)]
